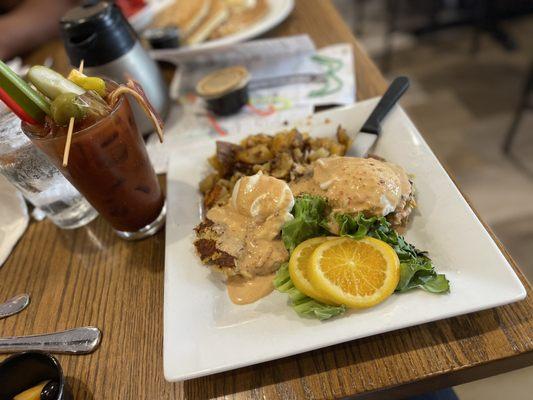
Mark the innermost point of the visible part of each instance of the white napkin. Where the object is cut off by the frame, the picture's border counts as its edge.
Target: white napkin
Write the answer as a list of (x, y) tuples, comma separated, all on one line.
[(13, 218)]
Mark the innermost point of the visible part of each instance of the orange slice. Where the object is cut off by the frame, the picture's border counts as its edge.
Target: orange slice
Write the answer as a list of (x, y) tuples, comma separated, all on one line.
[(299, 265), (356, 273)]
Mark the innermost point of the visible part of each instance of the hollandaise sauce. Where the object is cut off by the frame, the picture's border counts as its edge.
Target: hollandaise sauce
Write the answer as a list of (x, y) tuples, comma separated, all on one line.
[(249, 227)]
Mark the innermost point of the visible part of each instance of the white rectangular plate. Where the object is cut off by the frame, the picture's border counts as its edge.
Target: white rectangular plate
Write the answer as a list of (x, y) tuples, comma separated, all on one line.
[(205, 333)]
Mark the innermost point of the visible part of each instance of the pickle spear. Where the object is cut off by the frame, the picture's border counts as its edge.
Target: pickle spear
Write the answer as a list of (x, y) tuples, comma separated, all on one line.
[(52, 83)]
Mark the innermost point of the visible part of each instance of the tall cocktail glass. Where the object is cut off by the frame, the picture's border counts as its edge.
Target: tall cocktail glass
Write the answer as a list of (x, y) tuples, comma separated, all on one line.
[(109, 165)]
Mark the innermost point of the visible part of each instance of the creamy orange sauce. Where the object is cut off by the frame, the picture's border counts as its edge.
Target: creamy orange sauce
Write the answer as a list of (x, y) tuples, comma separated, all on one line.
[(354, 184), (250, 224), (246, 291)]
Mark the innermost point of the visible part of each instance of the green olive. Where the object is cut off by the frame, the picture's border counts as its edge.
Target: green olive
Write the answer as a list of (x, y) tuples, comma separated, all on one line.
[(64, 107)]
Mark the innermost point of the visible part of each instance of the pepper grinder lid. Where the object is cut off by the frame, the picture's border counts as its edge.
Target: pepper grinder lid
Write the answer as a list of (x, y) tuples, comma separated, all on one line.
[(97, 33)]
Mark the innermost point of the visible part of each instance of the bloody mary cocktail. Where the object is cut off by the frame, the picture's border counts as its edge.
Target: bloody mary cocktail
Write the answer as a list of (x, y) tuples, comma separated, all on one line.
[(109, 165)]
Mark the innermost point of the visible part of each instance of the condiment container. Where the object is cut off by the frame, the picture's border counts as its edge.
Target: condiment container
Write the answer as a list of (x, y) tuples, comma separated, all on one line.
[(23, 371), (226, 90), (163, 38)]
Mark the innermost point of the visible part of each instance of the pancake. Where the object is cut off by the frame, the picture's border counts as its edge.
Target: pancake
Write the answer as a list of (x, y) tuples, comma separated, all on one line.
[(187, 15), (241, 17), (217, 15)]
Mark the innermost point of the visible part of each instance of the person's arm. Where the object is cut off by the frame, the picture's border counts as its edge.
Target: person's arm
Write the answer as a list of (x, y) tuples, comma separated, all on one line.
[(30, 24), (7, 5)]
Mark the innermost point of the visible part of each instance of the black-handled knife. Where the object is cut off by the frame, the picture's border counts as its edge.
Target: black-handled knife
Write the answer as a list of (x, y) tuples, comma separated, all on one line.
[(369, 133)]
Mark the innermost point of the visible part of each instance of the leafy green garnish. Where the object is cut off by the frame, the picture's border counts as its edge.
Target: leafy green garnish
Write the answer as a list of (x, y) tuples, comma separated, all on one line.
[(311, 220), (309, 215), (304, 305), (416, 268)]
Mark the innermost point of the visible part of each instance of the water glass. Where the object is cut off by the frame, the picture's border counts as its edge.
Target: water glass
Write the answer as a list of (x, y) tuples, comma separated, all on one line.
[(38, 180)]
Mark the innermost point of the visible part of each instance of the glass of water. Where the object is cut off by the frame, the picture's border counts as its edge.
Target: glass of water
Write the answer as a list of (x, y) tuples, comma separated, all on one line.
[(38, 180)]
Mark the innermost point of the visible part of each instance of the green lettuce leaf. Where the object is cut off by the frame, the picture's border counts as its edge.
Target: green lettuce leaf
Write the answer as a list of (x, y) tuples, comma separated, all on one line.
[(309, 214), (311, 220), (416, 268), (304, 305)]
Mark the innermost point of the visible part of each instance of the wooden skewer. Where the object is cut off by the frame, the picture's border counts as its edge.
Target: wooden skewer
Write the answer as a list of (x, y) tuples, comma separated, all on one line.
[(66, 152), (67, 144)]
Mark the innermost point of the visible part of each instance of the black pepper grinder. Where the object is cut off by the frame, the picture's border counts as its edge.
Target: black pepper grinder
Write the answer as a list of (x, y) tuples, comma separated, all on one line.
[(98, 34)]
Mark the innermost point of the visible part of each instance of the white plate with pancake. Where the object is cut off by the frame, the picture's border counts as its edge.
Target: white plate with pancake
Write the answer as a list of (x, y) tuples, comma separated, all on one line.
[(205, 333), (206, 24)]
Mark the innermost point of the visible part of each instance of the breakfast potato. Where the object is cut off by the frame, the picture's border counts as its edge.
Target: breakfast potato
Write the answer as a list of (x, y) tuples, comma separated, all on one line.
[(282, 165), (208, 182), (257, 154)]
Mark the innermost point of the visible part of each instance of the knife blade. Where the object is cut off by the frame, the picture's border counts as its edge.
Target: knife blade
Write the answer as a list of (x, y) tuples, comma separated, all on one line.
[(14, 305), (369, 133)]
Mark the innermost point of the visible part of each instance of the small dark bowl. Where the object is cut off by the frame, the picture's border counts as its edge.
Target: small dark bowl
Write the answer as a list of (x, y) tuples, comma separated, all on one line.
[(230, 103), (25, 370)]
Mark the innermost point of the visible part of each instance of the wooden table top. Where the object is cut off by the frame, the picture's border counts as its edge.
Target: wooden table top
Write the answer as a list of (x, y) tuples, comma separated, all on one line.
[(90, 277)]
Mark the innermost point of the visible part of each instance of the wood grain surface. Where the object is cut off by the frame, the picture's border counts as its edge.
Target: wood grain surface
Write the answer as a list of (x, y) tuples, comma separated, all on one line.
[(90, 277)]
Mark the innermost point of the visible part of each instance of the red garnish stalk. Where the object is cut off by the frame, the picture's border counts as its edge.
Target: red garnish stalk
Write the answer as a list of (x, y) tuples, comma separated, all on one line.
[(16, 108)]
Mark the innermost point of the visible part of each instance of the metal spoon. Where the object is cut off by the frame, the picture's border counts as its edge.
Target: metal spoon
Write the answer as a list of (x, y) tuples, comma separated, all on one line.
[(73, 341), (14, 305)]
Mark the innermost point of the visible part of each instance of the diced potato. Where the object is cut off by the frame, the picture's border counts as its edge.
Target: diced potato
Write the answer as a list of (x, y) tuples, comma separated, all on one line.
[(337, 149), (225, 157), (282, 165), (258, 154), (319, 153), (298, 155), (208, 182), (283, 141), (213, 161), (299, 170), (342, 137), (264, 168), (224, 182), (254, 140), (236, 176)]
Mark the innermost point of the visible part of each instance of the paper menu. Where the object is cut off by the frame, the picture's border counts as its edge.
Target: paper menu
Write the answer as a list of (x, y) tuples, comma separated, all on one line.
[(264, 58)]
